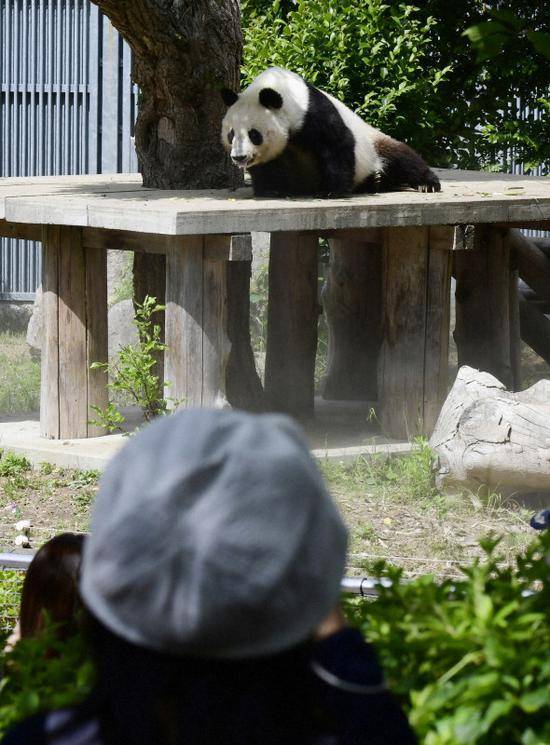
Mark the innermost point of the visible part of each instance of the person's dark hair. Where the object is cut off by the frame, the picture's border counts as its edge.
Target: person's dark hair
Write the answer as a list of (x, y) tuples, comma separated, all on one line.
[(51, 586)]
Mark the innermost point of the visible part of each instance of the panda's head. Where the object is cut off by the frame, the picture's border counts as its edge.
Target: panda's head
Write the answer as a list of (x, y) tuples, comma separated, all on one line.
[(253, 130)]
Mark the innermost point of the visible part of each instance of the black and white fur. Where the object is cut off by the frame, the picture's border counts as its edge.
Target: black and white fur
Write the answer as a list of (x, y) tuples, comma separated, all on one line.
[(295, 140)]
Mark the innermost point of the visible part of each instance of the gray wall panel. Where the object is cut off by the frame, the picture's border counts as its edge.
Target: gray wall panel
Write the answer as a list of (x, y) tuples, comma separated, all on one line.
[(66, 107)]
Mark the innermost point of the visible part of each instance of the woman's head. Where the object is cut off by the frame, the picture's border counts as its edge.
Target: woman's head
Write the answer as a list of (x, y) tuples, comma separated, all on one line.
[(213, 535), (51, 586)]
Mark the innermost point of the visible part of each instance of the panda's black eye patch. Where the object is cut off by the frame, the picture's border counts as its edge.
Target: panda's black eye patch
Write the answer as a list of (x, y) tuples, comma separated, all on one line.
[(255, 137), (230, 136)]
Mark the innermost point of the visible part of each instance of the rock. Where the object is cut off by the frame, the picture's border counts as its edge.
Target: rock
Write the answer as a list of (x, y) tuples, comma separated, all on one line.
[(14, 317), (34, 327), (121, 328)]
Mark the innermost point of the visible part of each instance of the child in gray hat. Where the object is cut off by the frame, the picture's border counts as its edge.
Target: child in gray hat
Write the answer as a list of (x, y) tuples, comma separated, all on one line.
[(212, 576)]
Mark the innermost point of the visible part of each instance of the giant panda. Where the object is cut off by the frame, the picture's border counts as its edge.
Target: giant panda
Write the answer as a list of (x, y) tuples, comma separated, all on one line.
[(294, 139)]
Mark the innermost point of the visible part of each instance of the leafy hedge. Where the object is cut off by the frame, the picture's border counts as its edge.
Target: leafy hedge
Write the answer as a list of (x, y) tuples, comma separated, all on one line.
[(408, 69), (469, 658)]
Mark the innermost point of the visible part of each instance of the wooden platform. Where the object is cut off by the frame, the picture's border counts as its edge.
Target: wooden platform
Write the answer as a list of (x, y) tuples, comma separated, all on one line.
[(120, 203), (411, 239)]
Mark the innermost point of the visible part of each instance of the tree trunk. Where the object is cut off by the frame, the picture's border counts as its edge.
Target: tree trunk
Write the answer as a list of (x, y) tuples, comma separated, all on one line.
[(490, 439), (183, 54)]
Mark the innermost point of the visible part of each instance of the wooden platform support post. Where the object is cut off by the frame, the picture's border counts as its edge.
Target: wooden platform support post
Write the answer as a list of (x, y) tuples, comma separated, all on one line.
[(352, 301), (413, 366), (74, 285), (487, 314), (196, 321), (293, 314)]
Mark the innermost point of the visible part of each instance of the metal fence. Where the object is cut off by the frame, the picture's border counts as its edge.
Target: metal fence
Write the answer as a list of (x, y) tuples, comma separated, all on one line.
[(67, 106), (13, 567)]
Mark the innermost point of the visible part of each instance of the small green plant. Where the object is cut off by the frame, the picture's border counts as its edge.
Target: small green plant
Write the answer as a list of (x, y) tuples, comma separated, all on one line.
[(12, 464), (133, 372), (46, 468), (81, 479), (43, 673), (470, 658)]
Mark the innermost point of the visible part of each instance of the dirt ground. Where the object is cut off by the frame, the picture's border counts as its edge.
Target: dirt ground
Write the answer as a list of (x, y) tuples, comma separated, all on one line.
[(391, 508)]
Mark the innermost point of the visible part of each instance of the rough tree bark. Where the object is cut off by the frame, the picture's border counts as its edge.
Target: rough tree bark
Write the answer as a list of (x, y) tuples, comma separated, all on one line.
[(184, 52), (491, 439)]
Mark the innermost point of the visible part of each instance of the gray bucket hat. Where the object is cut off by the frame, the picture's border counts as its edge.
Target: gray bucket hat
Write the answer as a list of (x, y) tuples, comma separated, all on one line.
[(213, 535)]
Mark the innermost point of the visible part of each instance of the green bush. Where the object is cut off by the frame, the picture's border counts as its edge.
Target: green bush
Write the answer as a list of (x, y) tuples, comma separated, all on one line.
[(43, 673), (470, 659), (409, 70), (372, 55)]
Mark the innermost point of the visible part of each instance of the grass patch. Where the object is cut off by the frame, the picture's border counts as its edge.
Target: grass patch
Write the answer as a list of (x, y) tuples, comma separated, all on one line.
[(396, 513), (19, 376)]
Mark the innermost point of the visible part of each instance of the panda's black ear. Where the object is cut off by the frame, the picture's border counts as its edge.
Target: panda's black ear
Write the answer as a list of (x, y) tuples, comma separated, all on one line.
[(270, 98), (229, 97)]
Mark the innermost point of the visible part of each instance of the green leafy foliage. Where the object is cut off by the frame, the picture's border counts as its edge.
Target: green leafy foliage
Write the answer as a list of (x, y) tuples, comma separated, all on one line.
[(42, 673), (12, 464), (372, 55), (132, 374), (11, 582), (470, 659), (408, 69)]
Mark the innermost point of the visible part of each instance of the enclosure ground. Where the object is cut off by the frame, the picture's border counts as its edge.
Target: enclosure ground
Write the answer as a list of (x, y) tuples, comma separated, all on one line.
[(391, 509)]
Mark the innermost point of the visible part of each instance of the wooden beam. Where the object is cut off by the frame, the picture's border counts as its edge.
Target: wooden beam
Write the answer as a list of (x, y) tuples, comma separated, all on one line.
[(74, 284), (352, 300), (413, 365), (524, 224), (196, 324), (20, 230), (533, 265), (535, 329), (121, 240), (293, 314)]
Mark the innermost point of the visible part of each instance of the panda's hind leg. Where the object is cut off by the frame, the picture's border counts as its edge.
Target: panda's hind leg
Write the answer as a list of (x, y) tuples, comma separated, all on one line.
[(404, 167)]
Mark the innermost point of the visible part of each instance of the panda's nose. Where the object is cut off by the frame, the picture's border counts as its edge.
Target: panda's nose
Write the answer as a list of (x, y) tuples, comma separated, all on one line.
[(239, 158)]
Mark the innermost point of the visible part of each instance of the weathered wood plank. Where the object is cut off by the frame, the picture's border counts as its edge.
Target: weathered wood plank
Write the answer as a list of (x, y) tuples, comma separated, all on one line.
[(184, 305), (352, 300), (36, 186), (535, 329), (533, 265), (97, 332), (465, 198), (292, 323), (215, 345), (73, 357), (19, 230), (483, 278), (402, 355), (49, 384), (438, 307)]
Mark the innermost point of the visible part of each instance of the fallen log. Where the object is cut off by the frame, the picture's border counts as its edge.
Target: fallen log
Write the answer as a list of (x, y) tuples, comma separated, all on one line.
[(489, 439)]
